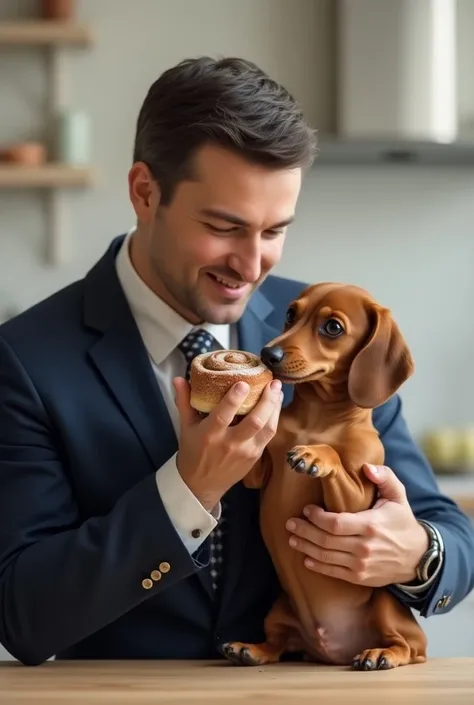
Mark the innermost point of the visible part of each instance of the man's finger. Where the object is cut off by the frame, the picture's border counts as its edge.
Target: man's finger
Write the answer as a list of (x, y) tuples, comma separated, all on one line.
[(224, 413), (327, 542), (338, 524), (341, 558), (334, 571), (388, 484), (257, 419), (271, 426), (187, 414)]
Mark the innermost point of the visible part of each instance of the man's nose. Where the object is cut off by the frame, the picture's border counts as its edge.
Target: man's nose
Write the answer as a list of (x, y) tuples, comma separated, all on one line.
[(247, 261)]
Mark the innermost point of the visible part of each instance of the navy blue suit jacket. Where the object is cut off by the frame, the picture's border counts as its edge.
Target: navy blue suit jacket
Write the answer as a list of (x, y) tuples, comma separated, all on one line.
[(83, 428)]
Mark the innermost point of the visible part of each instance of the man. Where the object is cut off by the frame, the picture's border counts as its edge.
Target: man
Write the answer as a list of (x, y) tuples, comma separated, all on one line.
[(125, 530)]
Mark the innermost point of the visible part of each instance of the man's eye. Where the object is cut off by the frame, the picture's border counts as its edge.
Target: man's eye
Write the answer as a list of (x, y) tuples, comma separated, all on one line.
[(215, 229), (273, 233)]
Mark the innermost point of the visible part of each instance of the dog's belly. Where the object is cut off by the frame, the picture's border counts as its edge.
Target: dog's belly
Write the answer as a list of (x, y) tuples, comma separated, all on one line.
[(332, 615)]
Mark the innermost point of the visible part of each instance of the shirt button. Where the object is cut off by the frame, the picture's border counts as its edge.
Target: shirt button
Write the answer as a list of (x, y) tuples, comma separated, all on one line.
[(155, 575), (196, 533), (147, 584), (165, 567)]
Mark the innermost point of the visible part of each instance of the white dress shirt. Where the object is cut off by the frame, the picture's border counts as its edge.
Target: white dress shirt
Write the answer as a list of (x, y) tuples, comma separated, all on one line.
[(162, 329)]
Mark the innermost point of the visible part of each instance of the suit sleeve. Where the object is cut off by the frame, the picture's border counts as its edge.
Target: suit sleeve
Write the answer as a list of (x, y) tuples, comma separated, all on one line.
[(62, 578), (456, 578)]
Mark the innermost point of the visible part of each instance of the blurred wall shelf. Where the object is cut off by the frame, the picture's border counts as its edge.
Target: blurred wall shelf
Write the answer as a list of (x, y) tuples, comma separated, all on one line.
[(47, 176), (44, 32), (49, 36)]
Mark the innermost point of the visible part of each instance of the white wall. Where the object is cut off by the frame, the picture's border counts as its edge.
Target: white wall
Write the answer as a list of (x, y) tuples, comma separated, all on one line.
[(405, 233)]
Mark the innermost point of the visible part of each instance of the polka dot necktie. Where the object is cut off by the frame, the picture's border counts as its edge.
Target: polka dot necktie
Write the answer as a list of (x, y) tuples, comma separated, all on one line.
[(195, 343)]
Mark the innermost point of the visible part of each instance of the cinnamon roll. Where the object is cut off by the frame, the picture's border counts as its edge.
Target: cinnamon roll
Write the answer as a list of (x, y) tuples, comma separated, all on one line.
[(213, 373)]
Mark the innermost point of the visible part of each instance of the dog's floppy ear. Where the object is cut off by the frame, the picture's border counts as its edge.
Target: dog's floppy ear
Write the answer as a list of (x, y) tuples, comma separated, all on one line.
[(382, 365)]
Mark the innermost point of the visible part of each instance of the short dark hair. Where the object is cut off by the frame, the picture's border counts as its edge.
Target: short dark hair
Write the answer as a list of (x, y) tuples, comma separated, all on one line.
[(230, 102)]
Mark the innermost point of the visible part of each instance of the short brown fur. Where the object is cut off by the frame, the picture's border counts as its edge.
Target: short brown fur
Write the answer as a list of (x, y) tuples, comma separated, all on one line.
[(329, 425)]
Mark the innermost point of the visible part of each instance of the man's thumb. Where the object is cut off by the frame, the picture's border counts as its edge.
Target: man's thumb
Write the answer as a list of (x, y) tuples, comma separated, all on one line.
[(388, 484)]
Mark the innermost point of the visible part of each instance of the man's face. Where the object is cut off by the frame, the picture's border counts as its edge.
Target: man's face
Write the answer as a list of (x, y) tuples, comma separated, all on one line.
[(207, 252)]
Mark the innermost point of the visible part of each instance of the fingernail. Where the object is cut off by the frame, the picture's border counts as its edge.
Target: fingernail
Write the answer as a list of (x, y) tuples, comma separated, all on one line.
[(291, 525), (373, 469), (293, 542), (275, 385), (306, 511), (309, 563), (242, 388)]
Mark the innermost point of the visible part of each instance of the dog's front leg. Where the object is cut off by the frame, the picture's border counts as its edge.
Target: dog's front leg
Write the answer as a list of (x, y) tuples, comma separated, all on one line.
[(258, 474), (342, 491)]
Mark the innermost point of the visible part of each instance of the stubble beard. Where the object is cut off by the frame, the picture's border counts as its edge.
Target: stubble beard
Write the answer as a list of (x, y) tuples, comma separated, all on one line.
[(191, 302)]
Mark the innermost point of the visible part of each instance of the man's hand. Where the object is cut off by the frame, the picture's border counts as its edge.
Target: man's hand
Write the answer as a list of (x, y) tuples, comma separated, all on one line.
[(378, 547), (213, 455)]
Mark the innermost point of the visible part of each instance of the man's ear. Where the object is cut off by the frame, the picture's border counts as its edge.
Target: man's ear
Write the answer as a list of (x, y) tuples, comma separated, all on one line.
[(144, 192), (383, 364)]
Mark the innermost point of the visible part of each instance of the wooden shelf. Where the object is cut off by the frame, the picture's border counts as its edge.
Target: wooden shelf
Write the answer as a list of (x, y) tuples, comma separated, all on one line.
[(44, 32), (47, 176)]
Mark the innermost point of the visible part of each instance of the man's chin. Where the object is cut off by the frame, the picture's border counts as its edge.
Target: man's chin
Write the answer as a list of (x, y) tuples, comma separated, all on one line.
[(224, 314)]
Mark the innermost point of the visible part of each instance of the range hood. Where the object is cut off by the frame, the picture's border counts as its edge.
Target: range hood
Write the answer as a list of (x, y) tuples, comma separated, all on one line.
[(397, 84)]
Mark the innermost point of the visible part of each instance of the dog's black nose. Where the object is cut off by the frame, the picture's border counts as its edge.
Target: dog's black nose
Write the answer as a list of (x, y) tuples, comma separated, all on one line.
[(272, 356)]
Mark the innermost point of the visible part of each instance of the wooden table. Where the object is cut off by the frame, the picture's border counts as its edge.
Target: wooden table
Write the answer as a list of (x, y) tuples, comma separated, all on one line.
[(438, 682)]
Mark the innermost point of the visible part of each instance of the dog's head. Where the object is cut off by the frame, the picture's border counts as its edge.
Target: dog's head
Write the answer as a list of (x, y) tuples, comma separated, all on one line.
[(340, 333)]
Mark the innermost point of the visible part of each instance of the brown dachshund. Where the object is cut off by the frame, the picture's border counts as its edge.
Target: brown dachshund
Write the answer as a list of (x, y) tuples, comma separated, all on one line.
[(346, 355)]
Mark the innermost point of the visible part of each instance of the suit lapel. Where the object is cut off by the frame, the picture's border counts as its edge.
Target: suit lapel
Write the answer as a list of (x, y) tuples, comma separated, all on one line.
[(121, 359)]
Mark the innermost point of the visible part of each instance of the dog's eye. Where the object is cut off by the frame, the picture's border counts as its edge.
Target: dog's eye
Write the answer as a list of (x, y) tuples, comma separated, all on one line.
[(290, 316), (332, 328)]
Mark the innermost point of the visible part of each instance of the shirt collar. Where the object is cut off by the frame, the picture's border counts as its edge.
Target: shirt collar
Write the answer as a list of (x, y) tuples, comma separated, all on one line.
[(161, 327)]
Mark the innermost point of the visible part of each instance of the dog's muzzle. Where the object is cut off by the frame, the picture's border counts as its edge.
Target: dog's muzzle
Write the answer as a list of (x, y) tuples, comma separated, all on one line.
[(272, 357)]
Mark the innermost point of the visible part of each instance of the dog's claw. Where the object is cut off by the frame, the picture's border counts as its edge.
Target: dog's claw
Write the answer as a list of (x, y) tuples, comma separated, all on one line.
[(368, 664), (383, 664), (229, 653), (240, 656), (300, 463)]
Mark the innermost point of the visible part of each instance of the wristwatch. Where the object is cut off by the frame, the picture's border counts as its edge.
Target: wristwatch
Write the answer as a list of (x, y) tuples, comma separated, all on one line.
[(430, 564)]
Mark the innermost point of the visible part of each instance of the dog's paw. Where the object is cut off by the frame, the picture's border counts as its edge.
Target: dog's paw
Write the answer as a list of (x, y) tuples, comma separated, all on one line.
[(242, 654), (376, 660), (305, 460)]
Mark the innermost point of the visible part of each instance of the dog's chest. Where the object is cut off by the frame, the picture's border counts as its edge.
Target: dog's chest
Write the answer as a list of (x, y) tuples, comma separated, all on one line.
[(287, 491)]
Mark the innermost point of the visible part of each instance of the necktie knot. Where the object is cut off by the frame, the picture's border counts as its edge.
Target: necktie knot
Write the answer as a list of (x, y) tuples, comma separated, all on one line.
[(197, 342)]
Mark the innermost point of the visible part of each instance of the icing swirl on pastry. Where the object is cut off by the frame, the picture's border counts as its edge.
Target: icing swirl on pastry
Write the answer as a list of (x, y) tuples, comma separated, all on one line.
[(243, 363)]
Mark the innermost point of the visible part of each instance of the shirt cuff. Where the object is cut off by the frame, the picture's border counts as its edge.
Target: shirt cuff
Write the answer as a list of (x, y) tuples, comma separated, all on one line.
[(191, 520)]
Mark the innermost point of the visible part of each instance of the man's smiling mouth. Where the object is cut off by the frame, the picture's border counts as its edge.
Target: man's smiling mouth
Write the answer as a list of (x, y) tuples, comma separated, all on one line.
[(226, 282)]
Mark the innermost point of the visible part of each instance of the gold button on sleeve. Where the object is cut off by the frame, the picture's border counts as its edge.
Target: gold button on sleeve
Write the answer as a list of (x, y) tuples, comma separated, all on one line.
[(165, 567), (147, 584), (155, 575)]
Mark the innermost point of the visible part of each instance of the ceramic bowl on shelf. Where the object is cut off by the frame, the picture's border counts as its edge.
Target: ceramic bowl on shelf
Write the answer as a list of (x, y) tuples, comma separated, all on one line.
[(62, 10), (450, 450), (24, 153)]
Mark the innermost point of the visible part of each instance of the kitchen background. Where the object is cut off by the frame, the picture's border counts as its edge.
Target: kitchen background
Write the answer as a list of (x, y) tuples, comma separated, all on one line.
[(369, 74)]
